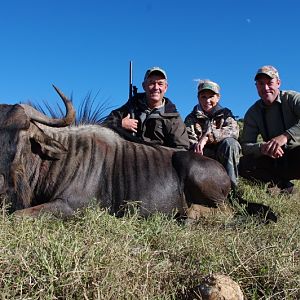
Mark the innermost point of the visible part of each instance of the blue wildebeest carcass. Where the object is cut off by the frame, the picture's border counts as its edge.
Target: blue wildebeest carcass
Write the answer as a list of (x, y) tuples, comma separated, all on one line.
[(48, 166)]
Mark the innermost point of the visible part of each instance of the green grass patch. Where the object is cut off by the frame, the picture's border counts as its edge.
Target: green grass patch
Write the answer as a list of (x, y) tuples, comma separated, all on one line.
[(97, 256)]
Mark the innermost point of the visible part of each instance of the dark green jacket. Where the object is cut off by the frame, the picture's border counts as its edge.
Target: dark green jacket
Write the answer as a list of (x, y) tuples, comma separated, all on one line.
[(162, 125)]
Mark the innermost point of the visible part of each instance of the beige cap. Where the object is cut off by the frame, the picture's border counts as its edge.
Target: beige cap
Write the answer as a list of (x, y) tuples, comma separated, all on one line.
[(155, 70)]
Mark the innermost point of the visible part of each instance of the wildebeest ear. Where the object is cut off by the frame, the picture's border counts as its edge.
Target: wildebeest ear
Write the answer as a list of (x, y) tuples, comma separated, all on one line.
[(47, 147)]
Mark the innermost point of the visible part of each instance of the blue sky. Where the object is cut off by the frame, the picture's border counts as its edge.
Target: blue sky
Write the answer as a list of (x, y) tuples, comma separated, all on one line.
[(85, 46)]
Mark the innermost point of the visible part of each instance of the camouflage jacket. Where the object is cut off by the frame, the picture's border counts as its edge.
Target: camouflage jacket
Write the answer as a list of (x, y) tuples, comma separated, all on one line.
[(162, 125), (217, 125)]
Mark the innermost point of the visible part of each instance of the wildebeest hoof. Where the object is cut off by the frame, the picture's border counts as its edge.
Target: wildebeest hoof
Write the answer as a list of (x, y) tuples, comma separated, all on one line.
[(197, 211)]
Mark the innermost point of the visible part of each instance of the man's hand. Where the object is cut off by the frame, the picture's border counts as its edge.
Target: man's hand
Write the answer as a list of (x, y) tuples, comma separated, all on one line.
[(273, 148), (130, 124), (200, 145)]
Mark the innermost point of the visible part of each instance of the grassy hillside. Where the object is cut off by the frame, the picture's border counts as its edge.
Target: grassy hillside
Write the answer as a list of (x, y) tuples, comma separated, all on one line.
[(97, 256)]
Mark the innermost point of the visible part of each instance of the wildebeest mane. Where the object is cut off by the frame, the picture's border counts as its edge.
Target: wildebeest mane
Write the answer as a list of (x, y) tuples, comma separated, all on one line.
[(88, 113)]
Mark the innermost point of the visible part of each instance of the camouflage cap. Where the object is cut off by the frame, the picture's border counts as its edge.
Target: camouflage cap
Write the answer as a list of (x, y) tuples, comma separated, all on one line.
[(208, 85), (155, 70), (267, 70)]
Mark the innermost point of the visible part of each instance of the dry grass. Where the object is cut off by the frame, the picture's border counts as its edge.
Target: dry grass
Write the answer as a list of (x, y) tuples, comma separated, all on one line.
[(97, 256)]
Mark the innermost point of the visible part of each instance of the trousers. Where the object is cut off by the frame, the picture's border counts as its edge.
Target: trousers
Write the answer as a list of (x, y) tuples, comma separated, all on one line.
[(227, 152), (267, 169)]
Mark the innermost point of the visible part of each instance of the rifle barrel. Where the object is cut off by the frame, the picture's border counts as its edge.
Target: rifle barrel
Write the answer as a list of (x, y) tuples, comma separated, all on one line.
[(130, 80)]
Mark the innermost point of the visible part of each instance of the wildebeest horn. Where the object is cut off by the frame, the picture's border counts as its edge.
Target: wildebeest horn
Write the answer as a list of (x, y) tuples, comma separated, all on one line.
[(37, 116)]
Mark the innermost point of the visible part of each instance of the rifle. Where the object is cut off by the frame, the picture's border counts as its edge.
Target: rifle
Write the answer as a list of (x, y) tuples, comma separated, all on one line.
[(132, 93)]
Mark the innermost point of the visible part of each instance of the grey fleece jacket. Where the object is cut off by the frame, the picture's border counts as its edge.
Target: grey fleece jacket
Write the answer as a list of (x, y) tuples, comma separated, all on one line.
[(282, 116)]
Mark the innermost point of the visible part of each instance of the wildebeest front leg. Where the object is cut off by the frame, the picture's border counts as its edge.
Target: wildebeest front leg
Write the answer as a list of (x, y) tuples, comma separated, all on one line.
[(57, 208), (205, 183)]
